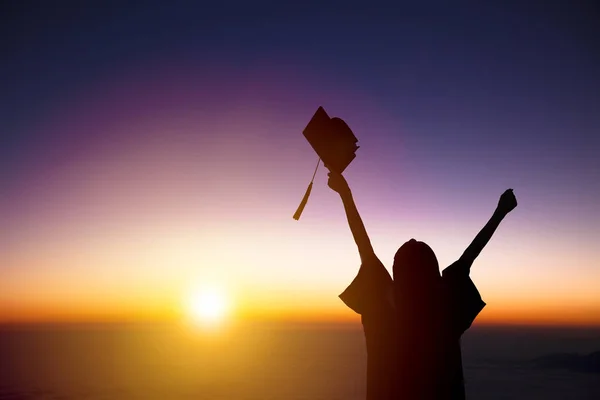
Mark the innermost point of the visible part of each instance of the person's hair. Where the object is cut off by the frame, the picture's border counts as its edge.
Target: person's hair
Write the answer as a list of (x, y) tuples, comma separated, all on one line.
[(415, 260), (416, 287)]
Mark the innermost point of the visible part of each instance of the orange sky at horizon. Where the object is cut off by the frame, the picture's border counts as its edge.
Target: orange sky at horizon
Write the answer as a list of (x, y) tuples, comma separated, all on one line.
[(153, 289), (530, 315), (66, 301)]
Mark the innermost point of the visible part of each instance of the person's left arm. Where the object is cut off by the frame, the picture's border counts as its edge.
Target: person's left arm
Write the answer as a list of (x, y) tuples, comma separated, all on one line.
[(370, 291), (338, 183)]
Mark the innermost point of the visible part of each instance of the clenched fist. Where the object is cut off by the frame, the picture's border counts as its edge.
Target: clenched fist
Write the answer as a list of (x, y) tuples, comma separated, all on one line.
[(338, 183), (507, 202)]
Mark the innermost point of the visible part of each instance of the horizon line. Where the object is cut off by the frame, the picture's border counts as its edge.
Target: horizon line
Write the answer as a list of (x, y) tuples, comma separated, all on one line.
[(278, 321)]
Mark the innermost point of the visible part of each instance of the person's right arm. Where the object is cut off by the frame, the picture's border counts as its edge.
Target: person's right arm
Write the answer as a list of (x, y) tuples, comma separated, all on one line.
[(506, 204)]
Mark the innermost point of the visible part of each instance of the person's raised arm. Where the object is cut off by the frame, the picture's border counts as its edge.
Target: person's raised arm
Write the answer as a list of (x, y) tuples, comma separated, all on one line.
[(338, 183), (506, 204)]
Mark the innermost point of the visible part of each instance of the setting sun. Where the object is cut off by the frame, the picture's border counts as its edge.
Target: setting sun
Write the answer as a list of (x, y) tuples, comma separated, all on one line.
[(209, 305)]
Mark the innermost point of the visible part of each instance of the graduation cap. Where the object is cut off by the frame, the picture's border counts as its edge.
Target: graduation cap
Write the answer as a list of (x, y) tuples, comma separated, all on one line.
[(333, 141)]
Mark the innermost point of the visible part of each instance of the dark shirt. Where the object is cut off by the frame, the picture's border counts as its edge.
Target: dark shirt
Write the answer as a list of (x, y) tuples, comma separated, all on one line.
[(371, 295), (404, 361)]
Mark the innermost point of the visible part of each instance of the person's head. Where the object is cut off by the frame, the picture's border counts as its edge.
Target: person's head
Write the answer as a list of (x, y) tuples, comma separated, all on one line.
[(416, 267), (417, 287)]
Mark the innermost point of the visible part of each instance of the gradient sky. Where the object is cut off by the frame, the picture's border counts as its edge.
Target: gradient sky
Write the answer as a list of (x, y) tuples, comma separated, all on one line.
[(149, 148)]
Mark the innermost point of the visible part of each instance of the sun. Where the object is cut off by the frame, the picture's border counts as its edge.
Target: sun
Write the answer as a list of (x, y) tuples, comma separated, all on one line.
[(209, 305)]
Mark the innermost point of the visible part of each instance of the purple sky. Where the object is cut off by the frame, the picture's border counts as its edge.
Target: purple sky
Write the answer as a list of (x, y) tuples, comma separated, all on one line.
[(172, 130)]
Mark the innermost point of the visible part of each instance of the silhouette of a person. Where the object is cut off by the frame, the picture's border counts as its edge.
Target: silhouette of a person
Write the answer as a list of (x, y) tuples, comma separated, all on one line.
[(413, 323)]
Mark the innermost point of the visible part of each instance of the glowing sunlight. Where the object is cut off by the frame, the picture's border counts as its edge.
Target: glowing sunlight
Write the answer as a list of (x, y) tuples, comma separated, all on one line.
[(209, 306)]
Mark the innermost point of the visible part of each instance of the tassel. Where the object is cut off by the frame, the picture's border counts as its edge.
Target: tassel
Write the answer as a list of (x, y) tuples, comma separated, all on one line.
[(303, 202), (305, 198)]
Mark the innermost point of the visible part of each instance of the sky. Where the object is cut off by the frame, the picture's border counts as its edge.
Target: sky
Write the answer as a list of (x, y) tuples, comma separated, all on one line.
[(149, 149)]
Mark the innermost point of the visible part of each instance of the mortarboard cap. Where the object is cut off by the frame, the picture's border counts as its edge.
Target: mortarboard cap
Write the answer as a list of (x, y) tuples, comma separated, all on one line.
[(333, 141)]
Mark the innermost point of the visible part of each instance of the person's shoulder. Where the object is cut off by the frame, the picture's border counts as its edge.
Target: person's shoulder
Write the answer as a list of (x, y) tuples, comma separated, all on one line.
[(371, 259), (373, 269), (458, 269), (370, 289)]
